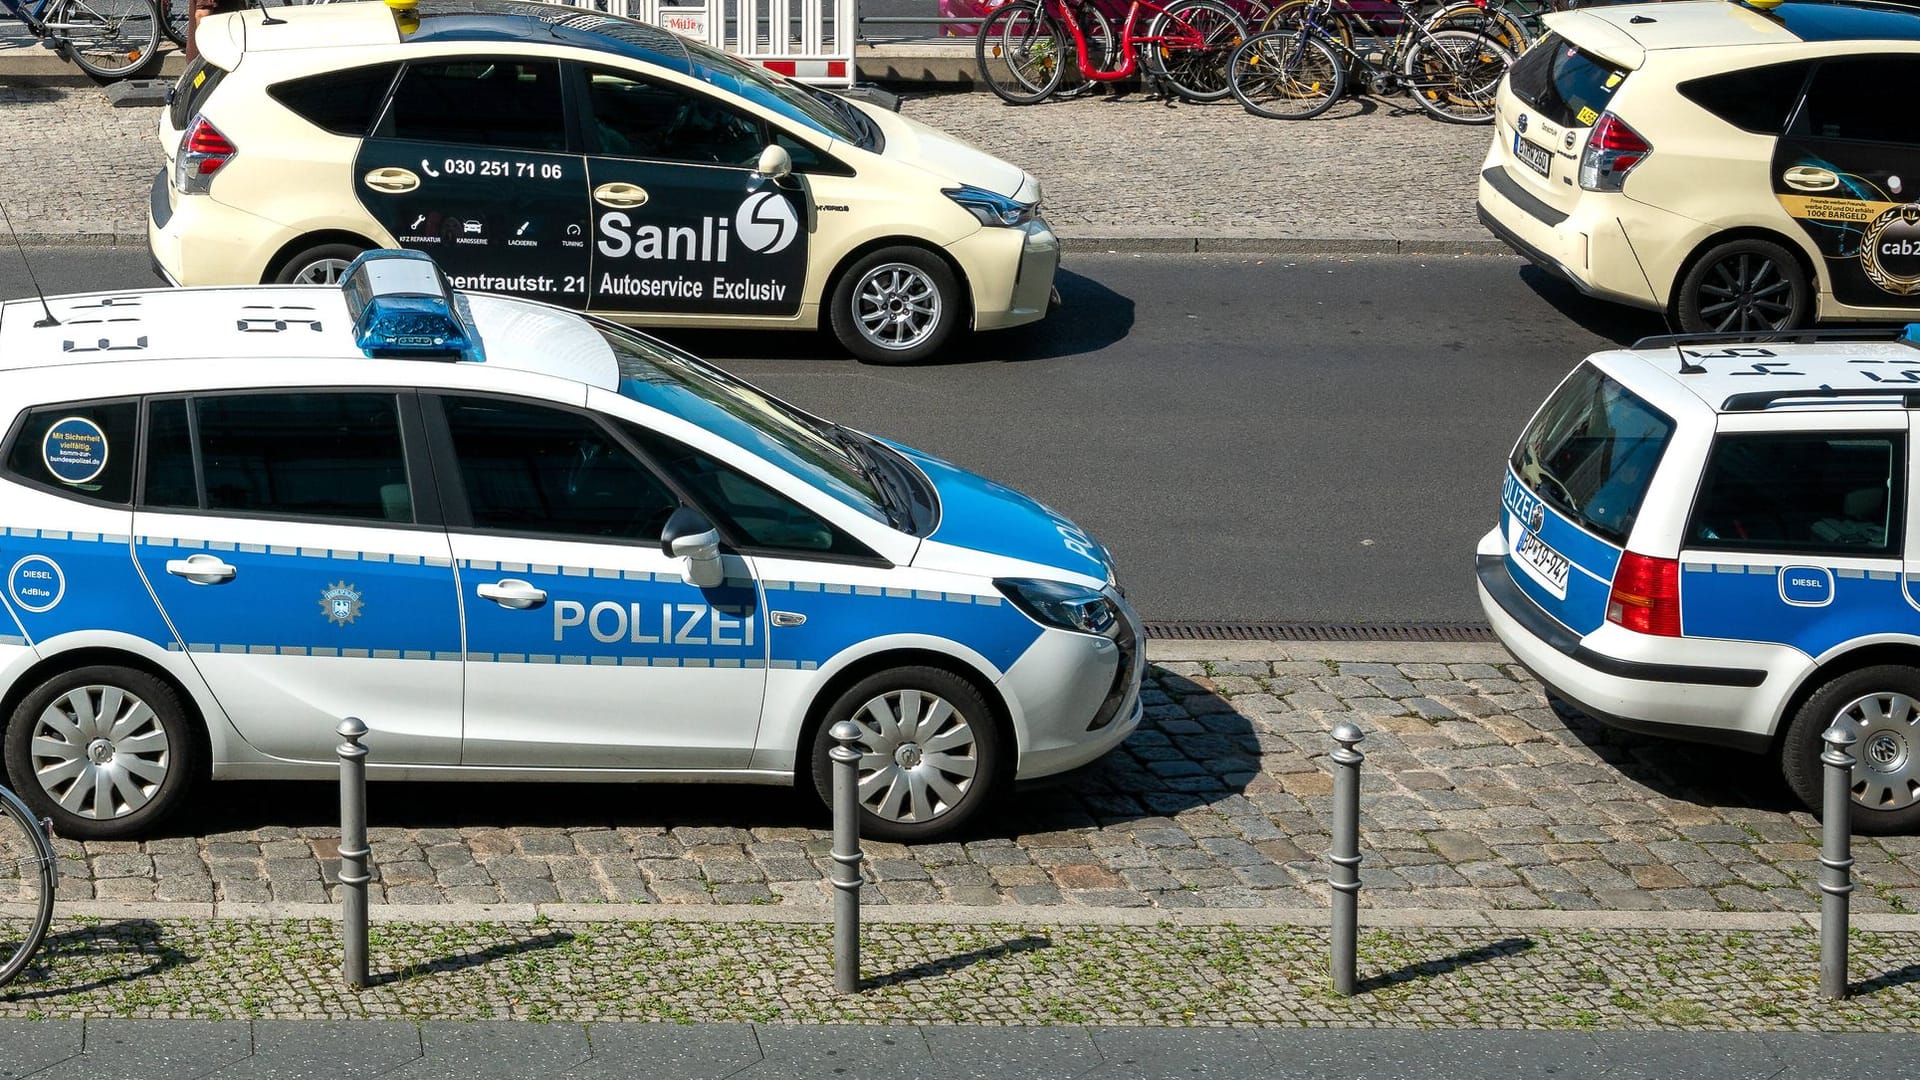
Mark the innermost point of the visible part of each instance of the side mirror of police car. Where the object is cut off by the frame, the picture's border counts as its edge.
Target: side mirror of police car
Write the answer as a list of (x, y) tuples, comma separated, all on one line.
[(689, 535), (774, 164)]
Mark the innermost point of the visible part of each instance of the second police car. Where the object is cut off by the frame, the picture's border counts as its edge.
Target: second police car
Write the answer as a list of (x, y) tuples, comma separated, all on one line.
[(591, 161), (519, 543)]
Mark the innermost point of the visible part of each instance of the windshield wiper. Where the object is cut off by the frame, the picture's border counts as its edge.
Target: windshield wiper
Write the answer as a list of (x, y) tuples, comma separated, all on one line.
[(893, 499)]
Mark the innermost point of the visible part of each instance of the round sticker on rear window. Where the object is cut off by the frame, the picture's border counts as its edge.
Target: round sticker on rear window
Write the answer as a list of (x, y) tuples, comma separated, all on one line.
[(75, 450)]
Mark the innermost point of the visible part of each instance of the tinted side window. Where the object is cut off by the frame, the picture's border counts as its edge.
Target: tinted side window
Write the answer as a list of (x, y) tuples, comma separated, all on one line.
[(1852, 99), (759, 516), (483, 102), (343, 102), (1757, 99), (170, 481), (84, 449), (630, 117), (1827, 493), (334, 455), (532, 469)]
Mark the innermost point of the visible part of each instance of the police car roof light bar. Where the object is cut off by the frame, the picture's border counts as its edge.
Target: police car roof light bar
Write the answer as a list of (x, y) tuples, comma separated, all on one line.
[(402, 308), (1755, 400)]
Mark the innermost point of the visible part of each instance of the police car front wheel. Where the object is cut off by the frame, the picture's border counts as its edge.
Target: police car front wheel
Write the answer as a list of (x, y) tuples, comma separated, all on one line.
[(930, 753), (1881, 706), (897, 305), (104, 751)]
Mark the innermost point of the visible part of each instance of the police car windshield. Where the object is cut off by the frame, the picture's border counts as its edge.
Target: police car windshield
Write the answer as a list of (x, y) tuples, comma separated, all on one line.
[(1591, 452), (768, 90), (671, 381)]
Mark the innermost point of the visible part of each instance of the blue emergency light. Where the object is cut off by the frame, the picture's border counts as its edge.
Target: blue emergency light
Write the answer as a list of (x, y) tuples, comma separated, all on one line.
[(1911, 335), (402, 307)]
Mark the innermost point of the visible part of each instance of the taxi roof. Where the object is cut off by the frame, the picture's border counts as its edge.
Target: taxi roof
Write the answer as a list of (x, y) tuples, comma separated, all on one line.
[(1625, 33), (270, 322), (1761, 376)]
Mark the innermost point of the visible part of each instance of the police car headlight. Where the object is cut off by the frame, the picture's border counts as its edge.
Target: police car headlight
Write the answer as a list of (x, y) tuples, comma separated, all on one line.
[(992, 208), (1060, 605)]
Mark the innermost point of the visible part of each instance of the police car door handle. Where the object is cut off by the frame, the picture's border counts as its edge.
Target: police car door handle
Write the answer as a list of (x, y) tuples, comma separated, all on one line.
[(620, 194), (392, 180), (513, 593), (201, 569)]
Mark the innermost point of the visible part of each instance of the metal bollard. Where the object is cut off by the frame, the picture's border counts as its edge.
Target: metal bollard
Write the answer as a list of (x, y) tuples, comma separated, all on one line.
[(1344, 873), (1836, 857), (846, 857), (354, 851)]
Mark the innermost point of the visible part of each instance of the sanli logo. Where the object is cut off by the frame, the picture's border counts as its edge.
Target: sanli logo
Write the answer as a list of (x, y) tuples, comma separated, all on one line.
[(340, 603), (765, 224), (1890, 250)]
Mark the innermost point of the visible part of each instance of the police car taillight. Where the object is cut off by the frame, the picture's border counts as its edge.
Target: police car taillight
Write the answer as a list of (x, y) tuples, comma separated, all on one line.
[(403, 307), (203, 152), (1646, 595)]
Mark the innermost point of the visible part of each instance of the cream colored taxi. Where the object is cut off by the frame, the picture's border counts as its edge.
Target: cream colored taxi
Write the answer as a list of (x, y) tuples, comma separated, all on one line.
[(1735, 166), (591, 161)]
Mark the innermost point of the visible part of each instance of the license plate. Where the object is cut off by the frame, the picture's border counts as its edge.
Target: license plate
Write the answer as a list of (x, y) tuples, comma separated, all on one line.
[(1542, 563), (1537, 158)]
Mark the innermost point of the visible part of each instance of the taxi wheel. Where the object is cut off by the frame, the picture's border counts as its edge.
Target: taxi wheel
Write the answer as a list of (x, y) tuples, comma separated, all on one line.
[(106, 752), (1881, 706), (321, 265), (897, 305), (930, 752), (1744, 285)]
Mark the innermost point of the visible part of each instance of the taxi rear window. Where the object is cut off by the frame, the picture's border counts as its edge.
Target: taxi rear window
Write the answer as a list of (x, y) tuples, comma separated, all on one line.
[(191, 92), (1567, 84), (1591, 452)]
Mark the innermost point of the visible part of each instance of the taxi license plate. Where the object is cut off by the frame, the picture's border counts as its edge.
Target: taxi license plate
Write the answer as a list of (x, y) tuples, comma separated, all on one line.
[(1542, 563), (1537, 158)]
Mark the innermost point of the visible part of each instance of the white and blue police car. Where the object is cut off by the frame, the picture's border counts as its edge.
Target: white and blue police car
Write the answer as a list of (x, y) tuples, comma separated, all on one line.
[(521, 544), (1707, 537)]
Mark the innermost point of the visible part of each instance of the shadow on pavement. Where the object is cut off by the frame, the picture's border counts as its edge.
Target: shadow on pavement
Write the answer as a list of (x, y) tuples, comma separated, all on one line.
[(1427, 969), (449, 964), (1689, 772), (1617, 323), (103, 954), (950, 964), (1886, 981)]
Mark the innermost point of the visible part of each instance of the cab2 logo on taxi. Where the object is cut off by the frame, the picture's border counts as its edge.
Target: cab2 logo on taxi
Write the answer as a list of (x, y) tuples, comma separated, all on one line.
[(764, 224)]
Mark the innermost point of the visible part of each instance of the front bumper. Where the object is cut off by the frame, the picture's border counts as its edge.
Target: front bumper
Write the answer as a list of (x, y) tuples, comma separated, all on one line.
[(1011, 272), (1079, 696)]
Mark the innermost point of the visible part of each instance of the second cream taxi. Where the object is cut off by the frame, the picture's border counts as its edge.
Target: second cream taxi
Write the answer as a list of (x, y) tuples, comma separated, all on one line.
[(591, 161)]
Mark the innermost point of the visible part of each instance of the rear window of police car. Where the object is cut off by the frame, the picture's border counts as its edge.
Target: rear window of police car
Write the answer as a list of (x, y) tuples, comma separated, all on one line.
[(1591, 452), (1567, 84)]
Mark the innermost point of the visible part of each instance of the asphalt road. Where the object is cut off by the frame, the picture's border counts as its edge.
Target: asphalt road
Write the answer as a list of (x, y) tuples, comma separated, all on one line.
[(1298, 439)]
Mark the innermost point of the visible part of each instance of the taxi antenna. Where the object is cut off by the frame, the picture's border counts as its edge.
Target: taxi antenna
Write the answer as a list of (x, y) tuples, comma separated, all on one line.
[(267, 16), (49, 320)]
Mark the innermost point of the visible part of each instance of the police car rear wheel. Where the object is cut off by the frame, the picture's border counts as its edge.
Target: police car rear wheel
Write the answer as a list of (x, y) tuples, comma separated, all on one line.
[(930, 754), (322, 265), (104, 751), (1744, 285), (896, 306), (1881, 706)]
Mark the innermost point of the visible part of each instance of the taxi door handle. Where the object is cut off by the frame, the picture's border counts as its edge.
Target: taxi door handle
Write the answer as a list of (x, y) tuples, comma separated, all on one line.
[(201, 569), (620, 194), (1810, 178), (392, 179), (513, 593)]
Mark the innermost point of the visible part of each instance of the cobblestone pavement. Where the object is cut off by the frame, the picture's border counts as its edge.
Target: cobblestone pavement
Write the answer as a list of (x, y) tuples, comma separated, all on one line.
[(72, 166), (1219, 975), (1477, 795)]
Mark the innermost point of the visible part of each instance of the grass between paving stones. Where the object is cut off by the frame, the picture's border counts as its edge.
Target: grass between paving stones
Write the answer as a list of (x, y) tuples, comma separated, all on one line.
[(1164, 975)]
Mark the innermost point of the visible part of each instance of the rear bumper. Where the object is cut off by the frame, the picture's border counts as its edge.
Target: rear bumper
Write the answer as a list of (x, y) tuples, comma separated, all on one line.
[(194, 240), (1587, 247)]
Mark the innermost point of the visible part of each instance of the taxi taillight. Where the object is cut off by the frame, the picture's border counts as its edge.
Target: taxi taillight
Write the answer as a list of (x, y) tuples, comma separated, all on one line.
[(1613, 149), (203, 152), (1646, 595)]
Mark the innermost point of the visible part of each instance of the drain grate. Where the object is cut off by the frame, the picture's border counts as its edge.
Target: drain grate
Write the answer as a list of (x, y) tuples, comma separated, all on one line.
[(1305, 631)]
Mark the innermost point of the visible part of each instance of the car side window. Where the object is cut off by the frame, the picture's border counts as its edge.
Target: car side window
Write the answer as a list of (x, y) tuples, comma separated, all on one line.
[(311, 455), (493, 101), (534, 469), (343, 102), (755, 514), (1757, 99), (632, 117), (1838, 493), (84, 449), (1848, 99)]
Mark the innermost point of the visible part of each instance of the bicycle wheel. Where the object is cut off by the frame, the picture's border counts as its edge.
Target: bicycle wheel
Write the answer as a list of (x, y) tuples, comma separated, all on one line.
[(1287, 16), (1020, 52), (1194, 63), (1285, 75), (26, 885), (1504, 29), (1455, 75), (1103, 49), (109, 39), (175, 23)]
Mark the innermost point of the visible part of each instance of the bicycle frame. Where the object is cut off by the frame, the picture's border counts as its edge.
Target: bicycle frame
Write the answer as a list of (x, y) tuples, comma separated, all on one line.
[(34, 19), (1413, 30), (1130, 43)]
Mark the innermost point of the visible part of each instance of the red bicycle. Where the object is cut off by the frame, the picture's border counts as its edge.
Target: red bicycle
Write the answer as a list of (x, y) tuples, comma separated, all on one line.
[(1022, 49)]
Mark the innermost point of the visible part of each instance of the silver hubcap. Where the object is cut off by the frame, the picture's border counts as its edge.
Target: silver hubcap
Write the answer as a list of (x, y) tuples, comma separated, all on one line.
[(321, 272), (896, 306), (1886, 775), (100, 752), (917, 756)]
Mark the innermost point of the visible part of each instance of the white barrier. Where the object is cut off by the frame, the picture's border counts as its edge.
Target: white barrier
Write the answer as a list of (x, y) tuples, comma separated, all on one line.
[(808, 40)]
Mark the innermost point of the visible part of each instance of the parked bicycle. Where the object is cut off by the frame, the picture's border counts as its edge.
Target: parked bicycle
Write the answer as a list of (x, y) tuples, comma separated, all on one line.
[(26, 884), (1298, 71), (1025, 49), (107, 39)]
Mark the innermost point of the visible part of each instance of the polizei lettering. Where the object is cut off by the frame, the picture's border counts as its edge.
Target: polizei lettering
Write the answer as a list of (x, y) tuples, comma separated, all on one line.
[(620, 238), (677, 624)]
